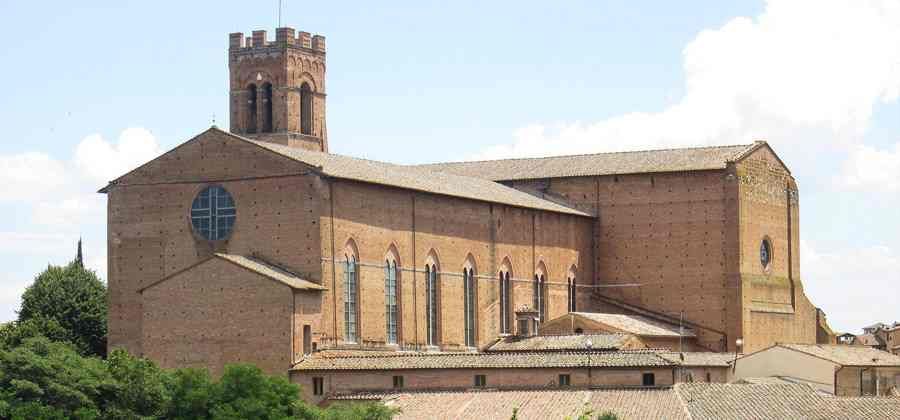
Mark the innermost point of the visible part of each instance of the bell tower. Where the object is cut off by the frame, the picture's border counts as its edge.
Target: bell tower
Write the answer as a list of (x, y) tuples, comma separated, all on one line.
[(278, 88)]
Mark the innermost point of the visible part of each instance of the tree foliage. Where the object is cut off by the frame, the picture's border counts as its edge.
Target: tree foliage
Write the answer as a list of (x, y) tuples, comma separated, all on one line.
[(43, 379), (67, 304)]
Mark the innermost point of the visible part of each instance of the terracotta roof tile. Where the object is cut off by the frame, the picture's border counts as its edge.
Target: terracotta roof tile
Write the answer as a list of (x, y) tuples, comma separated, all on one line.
[(562, 342), (636, 324), (424, 360), (631, 404), (700, 358), (267, 270), (778, 401), (847, 355), (670, 160), (414, 178)]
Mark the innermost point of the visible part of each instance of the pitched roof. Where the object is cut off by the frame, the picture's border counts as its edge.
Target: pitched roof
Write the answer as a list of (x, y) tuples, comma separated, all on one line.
[(562, 342), (271, 271), (847, 355), (777, 401), (869, 340), (632, 404), (635, 324), (647, 161), (699, 358), (414, 178), (425, 360)]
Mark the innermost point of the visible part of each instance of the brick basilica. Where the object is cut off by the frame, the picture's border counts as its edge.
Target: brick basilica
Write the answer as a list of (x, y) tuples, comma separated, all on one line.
[(258, 245)]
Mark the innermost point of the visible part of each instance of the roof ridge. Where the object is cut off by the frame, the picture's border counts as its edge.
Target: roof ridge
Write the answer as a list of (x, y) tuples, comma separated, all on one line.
[(670, 149)]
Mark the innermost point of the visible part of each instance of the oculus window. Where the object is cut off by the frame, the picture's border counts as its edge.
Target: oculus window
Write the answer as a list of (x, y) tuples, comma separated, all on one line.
[(213, 213), (765, 253)]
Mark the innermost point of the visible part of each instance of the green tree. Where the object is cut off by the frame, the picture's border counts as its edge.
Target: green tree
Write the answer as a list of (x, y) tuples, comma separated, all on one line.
[(75, 299), (244, 391)]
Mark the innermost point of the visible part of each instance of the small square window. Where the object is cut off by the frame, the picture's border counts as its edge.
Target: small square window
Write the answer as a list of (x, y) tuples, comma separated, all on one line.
[(480, 381), (649, 379), (564, 380), (398, 382), (318, 386)]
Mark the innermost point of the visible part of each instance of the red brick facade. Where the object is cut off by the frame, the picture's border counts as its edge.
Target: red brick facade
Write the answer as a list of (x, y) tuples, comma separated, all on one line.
[(672, 242)]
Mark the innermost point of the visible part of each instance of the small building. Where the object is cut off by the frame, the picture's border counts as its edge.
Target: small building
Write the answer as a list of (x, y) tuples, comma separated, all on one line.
[(834, 369), (846, 338), (327, 373), (653, 333)]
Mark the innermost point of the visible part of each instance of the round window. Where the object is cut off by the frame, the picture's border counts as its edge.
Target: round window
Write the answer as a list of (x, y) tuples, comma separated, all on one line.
[(213, 213), (765, 253)]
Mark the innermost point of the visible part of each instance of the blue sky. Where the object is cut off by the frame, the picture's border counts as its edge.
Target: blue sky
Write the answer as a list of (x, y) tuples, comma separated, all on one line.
[(95, 88)]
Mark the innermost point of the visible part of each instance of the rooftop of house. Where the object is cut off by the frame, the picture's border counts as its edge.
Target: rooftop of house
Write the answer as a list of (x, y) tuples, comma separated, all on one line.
[(847, 355), (695, 401), (632, 404), (562, 342), (636, 324), (618, 163), (491, 360)]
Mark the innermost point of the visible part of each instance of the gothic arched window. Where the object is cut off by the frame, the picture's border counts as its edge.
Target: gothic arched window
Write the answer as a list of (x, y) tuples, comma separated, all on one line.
[(469, 305), (251, 109), (306, 109), (267, 108), (431, 303), (391, 305), (505, 301), (351, 284)]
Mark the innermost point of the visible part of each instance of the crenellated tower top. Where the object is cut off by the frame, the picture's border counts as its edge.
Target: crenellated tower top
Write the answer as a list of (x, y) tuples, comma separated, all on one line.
[(278, 87)]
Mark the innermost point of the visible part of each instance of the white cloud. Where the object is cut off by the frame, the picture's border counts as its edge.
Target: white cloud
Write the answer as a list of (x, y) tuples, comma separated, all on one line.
[(855, 287), (871, 169), (103, 161), (70, 213), (28, 176), (801, 69)]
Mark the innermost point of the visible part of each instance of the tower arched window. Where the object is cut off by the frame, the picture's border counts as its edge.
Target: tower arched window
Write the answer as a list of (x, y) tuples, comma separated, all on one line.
[(469, 305), (391, 304), (267, 108), (431, 304), (351, 284), (251, 109), (306, 109)]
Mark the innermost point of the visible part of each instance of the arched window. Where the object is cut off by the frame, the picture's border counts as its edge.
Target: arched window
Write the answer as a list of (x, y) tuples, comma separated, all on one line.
[(505, 300), (306, 109), (251, 109), (391, 306), (351, 284), (539, 290), (572, 291), (431, 303), (267, 108), (469, 304)]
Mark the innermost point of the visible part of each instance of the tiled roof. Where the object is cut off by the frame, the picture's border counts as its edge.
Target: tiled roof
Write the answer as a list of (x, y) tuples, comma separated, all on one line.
[(777, 401), (562, 342), (671, 160), (700, 358), (868, 340), (271, 271), (424, 360), (414, 178), (630, 404), (847, 355), (635, 324)]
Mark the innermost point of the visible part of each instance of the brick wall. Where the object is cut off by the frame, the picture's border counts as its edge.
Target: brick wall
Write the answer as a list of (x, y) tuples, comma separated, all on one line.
[(665, 233), (450, 230), (340, 382), (149, 228), (775, 309), (217, 313)]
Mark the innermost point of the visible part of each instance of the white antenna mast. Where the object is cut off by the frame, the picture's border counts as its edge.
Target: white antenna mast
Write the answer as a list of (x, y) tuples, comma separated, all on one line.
[(279, 13)]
